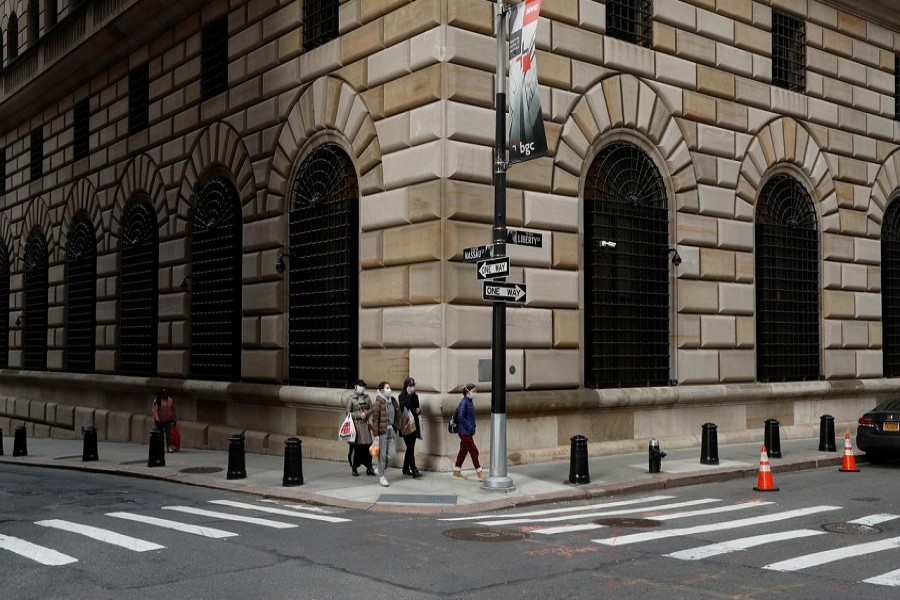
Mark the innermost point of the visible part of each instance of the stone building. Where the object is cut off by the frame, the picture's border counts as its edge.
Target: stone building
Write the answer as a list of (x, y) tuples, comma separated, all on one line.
[(254, 202)]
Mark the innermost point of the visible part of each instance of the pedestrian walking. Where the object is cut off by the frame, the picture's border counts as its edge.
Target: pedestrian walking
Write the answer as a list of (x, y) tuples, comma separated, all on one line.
[(359, 407), (164, 415), (385, 423), (409, 400), (465, 417)]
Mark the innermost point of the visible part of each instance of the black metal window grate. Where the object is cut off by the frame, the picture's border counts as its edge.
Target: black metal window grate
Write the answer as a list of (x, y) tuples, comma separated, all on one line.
[(787, 283), (2, 171), (37, 154), (890, 289), (12, 37), (324, 271), (627, 285), (50, 13), (81, 296), (4, 306), (139, 98), (630, 20), (897, 87), (320, 22), (33, 23), (788, 51), (82, 128), (216, 282), (139, 291), (35, 336), (214, 58)]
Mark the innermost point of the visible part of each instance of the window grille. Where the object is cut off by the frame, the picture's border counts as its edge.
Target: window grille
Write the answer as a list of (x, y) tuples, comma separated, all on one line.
[(12, 37), (139, 291), (324, 271), (35, 335), (890, 289), (4, 307), (214, 58), (2, 171), (50, 13), (82, 128), (626, 286), (139, 98), (81, 297), (216, 282), (37, 154), (787, 283), (897, 87), (788, 52), (33, 27), (630, 20), (320, 22)]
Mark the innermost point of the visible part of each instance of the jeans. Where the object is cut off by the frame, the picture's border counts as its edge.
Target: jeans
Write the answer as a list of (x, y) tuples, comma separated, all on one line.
[(388, 444)]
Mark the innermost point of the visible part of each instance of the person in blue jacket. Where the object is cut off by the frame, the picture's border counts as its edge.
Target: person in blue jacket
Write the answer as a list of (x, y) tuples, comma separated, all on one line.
[(465, 416)]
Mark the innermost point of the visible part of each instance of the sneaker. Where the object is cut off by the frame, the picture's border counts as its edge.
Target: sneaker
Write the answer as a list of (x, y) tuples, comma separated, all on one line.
[(384, 482), (481, 474), (458, 474)]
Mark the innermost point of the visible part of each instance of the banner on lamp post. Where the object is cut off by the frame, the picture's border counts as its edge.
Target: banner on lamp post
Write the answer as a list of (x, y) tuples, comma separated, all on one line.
[(527, 138)]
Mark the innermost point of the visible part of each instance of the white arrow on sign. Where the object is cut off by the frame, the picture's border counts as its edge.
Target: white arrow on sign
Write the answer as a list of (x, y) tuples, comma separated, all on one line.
[(503, 292), (495, 267)]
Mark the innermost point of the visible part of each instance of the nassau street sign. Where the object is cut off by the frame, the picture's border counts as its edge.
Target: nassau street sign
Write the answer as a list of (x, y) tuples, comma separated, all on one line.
[(523, 237), (503, 292), (476, 253), (493, 267)]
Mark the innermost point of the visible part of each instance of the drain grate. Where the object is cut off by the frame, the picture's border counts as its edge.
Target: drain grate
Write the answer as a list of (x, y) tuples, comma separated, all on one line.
[(851, 528), (625, 522), (201, 470), (486, 534)]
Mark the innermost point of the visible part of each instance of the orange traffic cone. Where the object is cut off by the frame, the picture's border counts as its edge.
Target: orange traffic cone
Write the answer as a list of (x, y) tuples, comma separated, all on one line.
[(764, 481), (848, 463)]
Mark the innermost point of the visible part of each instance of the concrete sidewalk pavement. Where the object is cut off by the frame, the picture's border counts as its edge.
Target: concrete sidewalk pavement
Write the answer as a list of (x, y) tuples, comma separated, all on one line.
[(330, 483)]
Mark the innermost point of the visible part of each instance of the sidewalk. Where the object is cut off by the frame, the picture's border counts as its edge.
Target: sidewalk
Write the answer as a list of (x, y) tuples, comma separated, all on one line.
[(330, 483)]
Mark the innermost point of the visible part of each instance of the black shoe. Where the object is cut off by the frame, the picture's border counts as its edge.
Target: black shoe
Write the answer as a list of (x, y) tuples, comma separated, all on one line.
[(416, 474), (355, 472), (370, 472), (406, 472)]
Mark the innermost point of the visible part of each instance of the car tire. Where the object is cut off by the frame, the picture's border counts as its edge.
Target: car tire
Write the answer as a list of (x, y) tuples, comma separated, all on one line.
[(876, 458)]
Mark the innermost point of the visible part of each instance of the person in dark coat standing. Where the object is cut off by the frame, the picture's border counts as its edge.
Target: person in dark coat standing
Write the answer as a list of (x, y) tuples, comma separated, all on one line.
[(409, 399), (465, 416), (359, 407)]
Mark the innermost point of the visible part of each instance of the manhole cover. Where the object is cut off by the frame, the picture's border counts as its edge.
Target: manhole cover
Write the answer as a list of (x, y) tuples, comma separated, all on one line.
[(625, 522), (851, 528), (486, 534), (134, 462), (201, 470)]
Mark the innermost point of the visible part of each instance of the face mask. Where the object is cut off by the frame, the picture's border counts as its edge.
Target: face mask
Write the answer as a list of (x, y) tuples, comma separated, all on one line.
[(411, 389), (387, 392), (360, 389), (472, 395)]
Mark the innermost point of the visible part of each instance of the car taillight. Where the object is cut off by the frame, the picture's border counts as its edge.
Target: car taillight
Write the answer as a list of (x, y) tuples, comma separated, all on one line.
[(864, 422)]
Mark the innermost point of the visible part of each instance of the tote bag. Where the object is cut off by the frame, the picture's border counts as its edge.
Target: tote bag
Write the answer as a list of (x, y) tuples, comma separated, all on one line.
[(347, 432)]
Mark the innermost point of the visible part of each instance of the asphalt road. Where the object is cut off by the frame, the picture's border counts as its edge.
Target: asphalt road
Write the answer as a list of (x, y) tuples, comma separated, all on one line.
[(819, 537)]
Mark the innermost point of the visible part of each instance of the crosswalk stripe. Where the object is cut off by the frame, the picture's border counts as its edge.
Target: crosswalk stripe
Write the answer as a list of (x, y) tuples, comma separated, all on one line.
[(569, 509), (39, 554), (656, 535), (102, 535), (828, 556), (874, 519), (567, 528), (702, 552), (608, 513), (891, 578), (229, 517), (279, 511), (209, 532), (710, 511)]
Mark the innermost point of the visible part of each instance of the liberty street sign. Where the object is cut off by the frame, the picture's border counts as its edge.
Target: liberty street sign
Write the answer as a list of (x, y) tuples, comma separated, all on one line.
[(493, 267), (503, 292), (476, 253), (523, 237)]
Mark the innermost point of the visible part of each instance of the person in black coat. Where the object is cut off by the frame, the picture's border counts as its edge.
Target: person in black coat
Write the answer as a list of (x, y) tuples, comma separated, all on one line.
[(409, 399)]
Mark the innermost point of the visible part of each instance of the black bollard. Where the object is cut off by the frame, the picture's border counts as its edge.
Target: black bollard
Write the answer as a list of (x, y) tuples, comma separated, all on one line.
[(237, 467), (578, 461), (826, 434), (709, 445), (20, 445), (157, 450), (1, 441), (293, 463), (89, 451), (656, 456), (772, 439)]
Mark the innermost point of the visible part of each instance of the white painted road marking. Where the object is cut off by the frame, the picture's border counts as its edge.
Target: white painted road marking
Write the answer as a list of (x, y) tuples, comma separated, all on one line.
[(702, 552), (608, 513), (45, 556), (102, 535), (828, 556), (874, 519), (657, 535), (710, 511), (891, 578), (279, 511), (229, 517), (174, 525), (567, 528), (569, 509)]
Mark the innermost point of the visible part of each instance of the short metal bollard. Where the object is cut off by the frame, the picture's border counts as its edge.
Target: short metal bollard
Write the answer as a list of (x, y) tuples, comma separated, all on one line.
[(709, 445), (826, 434), (656, 456), (293, 463), (578, 461), (20, 445), (89, 451), (237, 467), (157, 456), (772, 439)]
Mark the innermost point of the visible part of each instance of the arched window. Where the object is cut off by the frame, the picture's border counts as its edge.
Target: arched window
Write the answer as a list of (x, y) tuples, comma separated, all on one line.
[(81, 296), (324, 271), (4, 306), (33, 23), (216, 282), (626, 298), (139, 290), (890, 289), (787, 283), (35, 351), (12, 37)]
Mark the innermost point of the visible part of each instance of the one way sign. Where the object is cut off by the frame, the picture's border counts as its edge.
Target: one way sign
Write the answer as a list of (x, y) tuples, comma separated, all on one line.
[(503, 292), (494, 267)]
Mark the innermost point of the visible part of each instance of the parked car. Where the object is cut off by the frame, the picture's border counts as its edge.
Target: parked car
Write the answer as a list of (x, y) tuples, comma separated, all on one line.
[(878, 431)]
